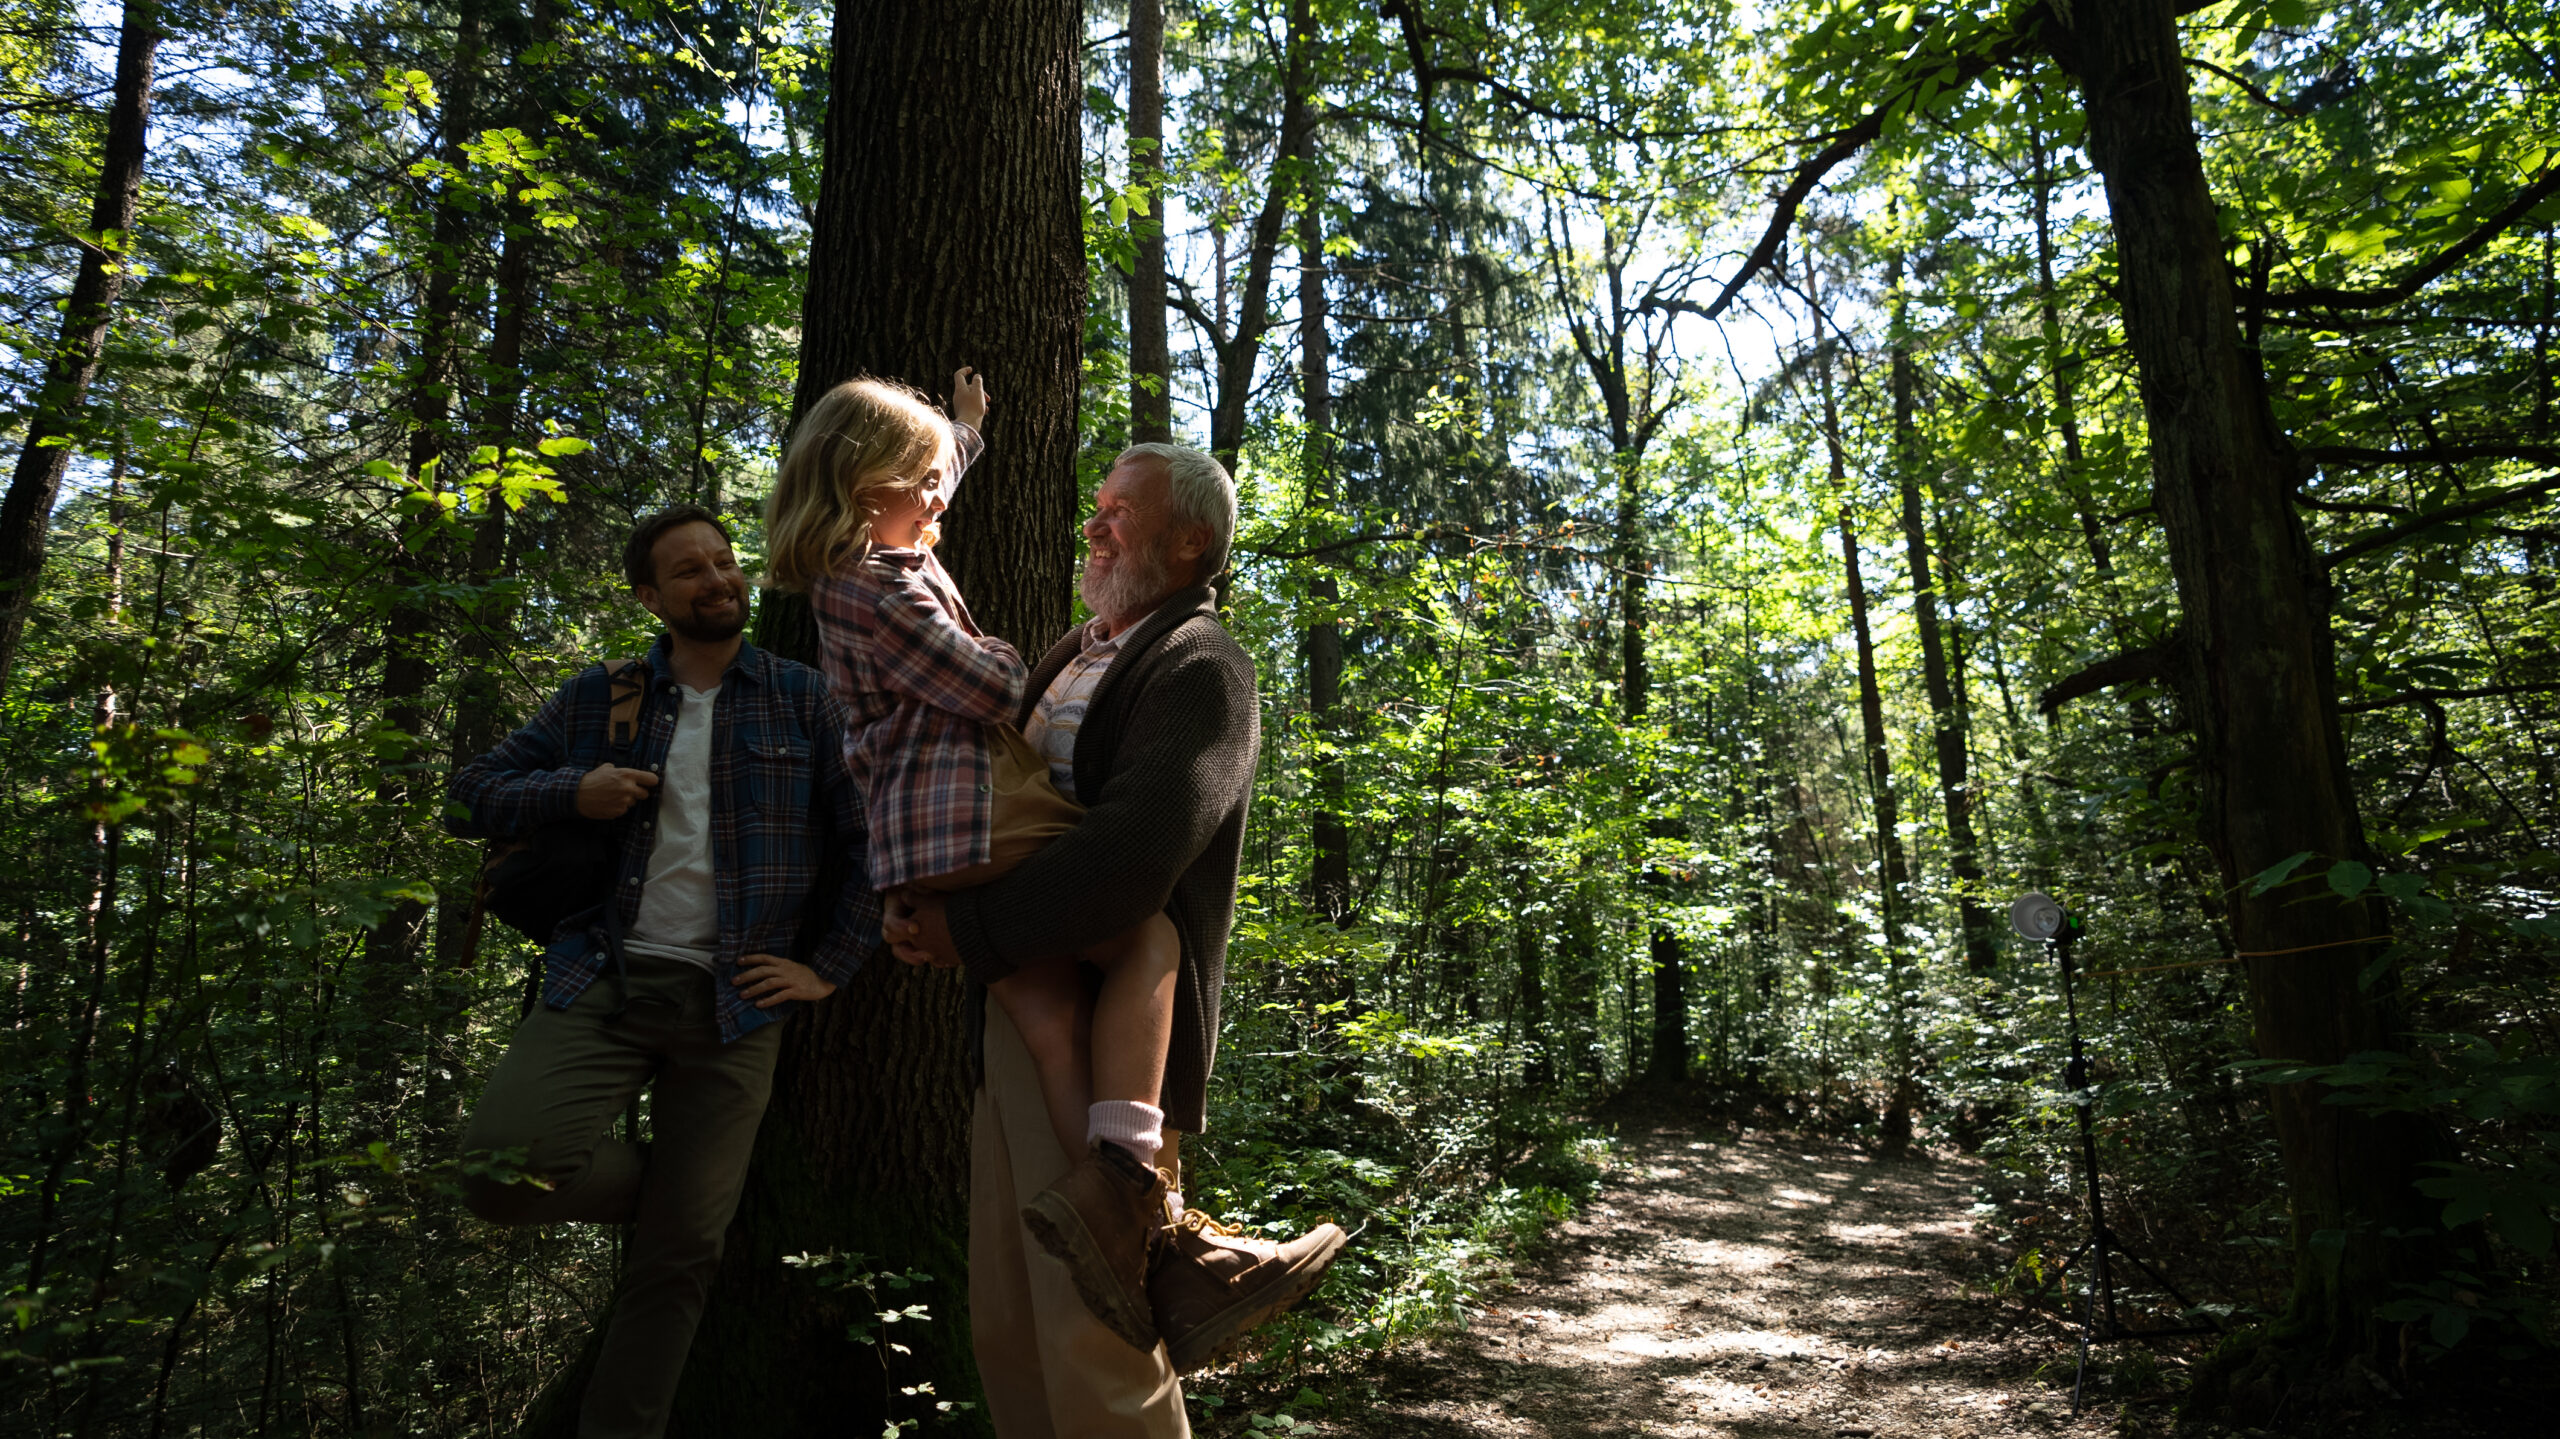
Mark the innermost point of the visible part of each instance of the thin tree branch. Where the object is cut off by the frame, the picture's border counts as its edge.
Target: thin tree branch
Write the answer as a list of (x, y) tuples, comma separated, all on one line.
[(1848, 143), (2250, 88), (2353, 457), (2446, 259), (2386, 538), (2148, 665), (2414, 697)]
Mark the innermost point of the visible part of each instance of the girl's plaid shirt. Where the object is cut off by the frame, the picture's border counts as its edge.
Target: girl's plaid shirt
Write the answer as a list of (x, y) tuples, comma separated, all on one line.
[(920, 684)]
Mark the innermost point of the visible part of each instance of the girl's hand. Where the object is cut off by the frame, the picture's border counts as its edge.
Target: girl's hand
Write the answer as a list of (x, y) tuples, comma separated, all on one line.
[(969, 397), (769, 979)]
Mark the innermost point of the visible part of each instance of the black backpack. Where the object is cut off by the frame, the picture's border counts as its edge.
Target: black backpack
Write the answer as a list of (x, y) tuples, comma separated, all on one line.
[(535, 882)]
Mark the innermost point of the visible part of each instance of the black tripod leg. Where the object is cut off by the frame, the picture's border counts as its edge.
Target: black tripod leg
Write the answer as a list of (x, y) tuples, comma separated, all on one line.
[(2156, 1277), (2080, 1375)]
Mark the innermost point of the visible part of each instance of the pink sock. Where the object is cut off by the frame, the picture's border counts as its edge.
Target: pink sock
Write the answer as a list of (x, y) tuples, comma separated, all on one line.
[(1137, 1128)]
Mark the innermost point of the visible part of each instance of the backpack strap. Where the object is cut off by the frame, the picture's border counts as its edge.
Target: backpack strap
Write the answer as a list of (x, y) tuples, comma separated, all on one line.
[(629, 686)]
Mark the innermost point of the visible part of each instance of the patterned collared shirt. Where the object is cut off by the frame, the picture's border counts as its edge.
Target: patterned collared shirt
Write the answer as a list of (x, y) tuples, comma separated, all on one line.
[(921, 685), (780, 796), (1059, 716)]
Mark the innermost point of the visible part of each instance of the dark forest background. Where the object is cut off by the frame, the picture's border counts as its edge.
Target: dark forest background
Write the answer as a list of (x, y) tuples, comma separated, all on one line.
[(1732, 494)]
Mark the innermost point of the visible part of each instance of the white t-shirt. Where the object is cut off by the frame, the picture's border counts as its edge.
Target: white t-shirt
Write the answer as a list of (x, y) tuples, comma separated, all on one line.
[(679, 911)]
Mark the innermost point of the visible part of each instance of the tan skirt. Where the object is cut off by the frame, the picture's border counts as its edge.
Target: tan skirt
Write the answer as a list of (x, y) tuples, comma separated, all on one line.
[(1028, 811)]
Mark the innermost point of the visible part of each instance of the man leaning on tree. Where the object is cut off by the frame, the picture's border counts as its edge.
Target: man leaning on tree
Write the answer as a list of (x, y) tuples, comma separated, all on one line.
[(680, 979)]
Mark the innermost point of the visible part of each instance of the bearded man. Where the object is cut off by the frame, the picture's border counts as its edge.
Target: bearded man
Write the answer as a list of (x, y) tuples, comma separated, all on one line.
[(737, 756), (1147, 717)]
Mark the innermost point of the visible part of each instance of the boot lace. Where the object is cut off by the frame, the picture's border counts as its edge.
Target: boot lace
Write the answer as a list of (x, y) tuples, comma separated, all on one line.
[(1200, 1221)]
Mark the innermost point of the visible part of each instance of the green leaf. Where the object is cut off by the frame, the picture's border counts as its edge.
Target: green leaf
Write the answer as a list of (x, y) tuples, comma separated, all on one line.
[(2350, 878), (559, 445), (2402, 887), (2525, 1224), (2276, 874)]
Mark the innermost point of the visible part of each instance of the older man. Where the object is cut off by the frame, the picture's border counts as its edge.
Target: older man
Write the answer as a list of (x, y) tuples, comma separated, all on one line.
[(1148, 717)]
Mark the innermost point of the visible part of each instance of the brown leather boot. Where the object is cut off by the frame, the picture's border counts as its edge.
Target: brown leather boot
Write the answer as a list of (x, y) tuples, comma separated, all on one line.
[(1211, 1284), (1104, 1220)]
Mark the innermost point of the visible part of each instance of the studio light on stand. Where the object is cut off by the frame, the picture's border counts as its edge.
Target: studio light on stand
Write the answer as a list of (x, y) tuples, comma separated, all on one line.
[(2035, 915)]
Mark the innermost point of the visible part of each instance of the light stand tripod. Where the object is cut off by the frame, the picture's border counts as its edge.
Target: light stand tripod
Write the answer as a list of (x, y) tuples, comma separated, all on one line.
[(2098, 1321)]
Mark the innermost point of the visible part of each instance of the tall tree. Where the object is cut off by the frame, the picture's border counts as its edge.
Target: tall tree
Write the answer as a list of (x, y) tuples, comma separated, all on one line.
[(1893, 865), (960, 244), (2255, 672), (1330, 867), (1620, 324), (1235, 338), (26, 514), (2252, 659), (1947, 727), (413, 566), (1150, 354)]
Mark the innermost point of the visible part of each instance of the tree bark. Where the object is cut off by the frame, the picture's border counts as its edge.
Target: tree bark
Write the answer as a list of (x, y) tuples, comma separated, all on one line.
[(961, 243), (2255, 673), (26, 514), (1948, 730), (1150, 351)]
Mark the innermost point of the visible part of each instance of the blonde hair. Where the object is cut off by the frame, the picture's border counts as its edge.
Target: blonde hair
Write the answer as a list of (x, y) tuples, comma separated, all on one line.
[(864, 444)]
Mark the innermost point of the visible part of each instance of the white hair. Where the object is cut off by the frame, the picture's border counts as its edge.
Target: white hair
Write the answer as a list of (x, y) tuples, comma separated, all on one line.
[(1202, 493)]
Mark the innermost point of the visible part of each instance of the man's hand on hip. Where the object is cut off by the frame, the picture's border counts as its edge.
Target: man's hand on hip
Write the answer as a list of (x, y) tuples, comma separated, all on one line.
[(769, 979), (609, 791), (918, 928)]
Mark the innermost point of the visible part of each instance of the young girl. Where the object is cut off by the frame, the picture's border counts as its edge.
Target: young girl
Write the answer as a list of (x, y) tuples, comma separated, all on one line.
[(957, 798)]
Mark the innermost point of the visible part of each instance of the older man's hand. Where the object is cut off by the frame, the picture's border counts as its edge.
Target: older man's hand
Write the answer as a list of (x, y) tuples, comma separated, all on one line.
[(918, 929)]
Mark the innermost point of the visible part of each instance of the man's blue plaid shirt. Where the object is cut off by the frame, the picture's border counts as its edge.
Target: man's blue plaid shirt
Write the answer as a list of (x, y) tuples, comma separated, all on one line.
[(779, 790)]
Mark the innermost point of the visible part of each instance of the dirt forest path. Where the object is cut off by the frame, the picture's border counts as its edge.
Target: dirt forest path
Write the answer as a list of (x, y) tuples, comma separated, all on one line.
[(1746, 1285)]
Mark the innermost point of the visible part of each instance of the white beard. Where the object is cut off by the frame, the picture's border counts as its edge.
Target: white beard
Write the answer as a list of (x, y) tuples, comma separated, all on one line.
[(1136, 582)]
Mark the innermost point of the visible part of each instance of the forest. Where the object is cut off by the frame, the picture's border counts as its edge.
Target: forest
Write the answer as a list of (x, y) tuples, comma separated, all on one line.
[(1732, 494)]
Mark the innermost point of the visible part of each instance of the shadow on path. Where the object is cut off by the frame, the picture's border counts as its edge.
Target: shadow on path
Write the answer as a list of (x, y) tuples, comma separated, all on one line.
[(1745, 1286)]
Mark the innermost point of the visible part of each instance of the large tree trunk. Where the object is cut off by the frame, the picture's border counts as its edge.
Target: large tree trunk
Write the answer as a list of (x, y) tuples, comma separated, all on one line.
[(2255, 673), (1150, 351), (26, 515), (959, 243), (1947, 718)]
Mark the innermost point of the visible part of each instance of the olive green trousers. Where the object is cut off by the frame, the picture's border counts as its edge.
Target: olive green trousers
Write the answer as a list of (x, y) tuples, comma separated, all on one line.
[(554, 1098)]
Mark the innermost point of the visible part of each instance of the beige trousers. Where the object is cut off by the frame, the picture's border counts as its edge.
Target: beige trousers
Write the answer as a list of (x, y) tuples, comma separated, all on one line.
[(1050, 1369)]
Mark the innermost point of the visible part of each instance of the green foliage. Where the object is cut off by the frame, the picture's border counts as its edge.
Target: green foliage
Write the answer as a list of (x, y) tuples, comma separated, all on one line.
[(1581, 551)]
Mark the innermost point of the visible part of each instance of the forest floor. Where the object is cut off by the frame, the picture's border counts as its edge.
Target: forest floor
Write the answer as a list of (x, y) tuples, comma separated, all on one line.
[(1734, 1282)]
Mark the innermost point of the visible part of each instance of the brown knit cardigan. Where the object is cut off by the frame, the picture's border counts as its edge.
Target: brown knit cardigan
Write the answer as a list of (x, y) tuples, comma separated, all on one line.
[(1164, 767)]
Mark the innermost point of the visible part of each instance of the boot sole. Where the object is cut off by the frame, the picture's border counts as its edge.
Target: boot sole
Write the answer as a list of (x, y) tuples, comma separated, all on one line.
[(1062, 1235), (1214, 1336)]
